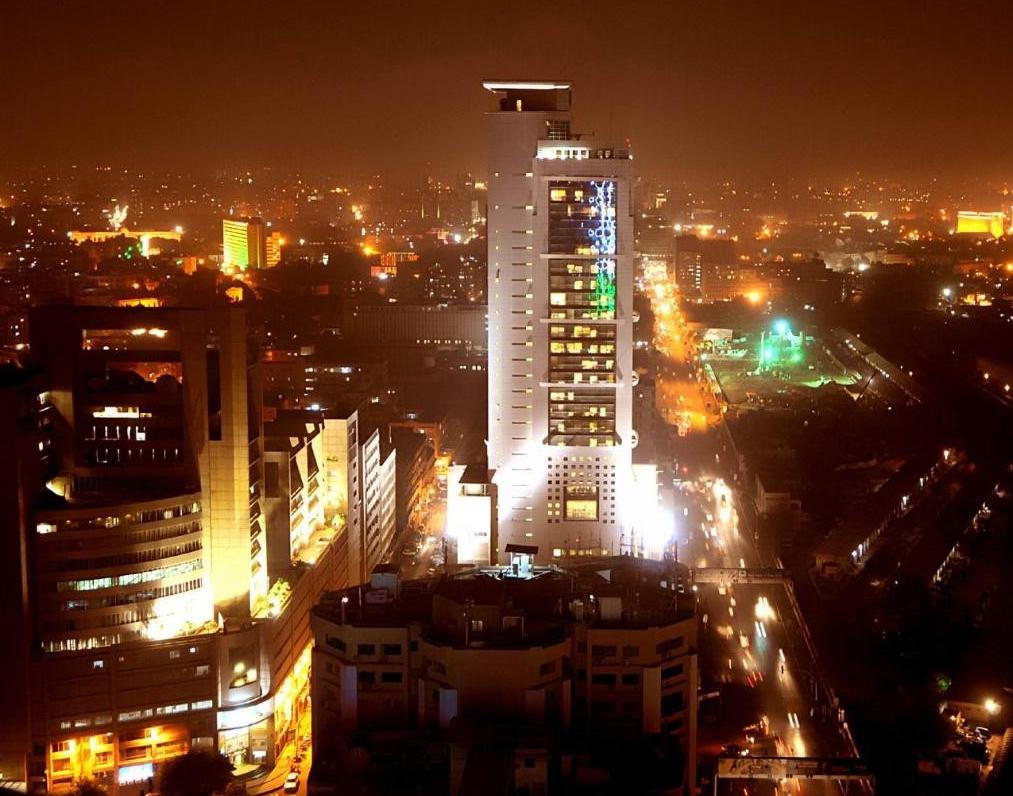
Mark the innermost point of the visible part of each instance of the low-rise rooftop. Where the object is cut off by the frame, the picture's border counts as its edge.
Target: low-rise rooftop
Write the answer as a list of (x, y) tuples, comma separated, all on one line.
[(616, 591)]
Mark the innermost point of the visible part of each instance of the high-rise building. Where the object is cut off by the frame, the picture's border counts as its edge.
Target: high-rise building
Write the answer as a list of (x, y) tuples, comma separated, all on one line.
[(154, 405), (378, 468), (244, 244), (699, 259), (560, 236), (272, 249), (142, 618), (655, 245), (362, 467)]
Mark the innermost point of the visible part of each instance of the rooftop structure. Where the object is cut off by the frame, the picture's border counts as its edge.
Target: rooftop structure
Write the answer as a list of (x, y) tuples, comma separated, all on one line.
[(604, 647)]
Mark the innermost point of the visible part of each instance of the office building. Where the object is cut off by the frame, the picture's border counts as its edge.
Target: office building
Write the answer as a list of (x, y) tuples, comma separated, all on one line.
[(360, 483), (702, 263), (153, 405), (655, 245), (560, 237), (417, 325), (391, 262), (272, 249), (342, 481), (552, 661), (293, 492), (244, 244), (148, 612), (378, 469)]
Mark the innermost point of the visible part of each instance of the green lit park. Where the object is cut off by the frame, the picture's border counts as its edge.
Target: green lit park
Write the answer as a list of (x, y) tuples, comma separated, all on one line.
[(775, 360)]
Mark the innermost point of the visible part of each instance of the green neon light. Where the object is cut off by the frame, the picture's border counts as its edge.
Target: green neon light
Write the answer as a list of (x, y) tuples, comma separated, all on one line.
[(604, 296)]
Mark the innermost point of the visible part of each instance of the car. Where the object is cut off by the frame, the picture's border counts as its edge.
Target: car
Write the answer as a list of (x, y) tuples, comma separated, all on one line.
[(983, 732), (291, 782)]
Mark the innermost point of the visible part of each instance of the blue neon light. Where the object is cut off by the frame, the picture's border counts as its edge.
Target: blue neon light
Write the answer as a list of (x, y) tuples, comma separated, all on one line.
[(602, 236), (603, 201)]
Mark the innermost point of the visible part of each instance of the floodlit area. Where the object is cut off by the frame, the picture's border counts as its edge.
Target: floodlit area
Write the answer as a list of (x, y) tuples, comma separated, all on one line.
[(757, 367)]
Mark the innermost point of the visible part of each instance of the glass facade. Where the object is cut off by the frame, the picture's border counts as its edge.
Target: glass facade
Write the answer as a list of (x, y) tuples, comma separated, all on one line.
[(582, 299), (582, 417), (582, 222), (113, 577), (582, 354), (582, 290), (582, 217)]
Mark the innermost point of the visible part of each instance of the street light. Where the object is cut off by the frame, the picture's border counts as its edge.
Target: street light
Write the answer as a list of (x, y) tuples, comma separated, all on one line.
[(992, 707)]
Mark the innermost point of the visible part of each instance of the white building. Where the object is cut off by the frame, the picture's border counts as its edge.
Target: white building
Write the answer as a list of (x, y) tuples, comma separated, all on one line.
[(560, 232), (378, 465), (359, 483), (471, 514)]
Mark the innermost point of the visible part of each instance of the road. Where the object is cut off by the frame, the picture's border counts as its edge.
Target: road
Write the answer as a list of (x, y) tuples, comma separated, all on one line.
[(753, 652), (681, 398), (430, 543), (274, 780)]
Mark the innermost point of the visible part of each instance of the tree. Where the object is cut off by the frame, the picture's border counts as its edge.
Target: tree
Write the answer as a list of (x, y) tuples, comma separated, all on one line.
[(197, 773), (88, 787)]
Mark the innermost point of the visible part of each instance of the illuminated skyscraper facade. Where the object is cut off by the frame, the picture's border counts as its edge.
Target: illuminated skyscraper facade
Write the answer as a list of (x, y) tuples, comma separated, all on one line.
[(244, 244), (149, 610), (560, 232), (149, 407)]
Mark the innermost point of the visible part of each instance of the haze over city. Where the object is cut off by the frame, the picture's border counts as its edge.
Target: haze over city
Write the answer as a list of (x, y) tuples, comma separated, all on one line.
[(789, 90), (408, 398)]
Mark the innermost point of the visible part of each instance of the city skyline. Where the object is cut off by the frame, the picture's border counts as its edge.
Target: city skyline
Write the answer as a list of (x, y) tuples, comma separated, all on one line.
[(408, 398), (733, 91)]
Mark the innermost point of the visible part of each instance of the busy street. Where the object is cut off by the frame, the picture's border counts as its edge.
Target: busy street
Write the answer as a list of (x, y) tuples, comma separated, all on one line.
[(762, 693)]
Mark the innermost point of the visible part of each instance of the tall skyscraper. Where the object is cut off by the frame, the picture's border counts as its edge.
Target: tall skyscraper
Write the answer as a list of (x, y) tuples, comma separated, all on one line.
[(244, 244), (560, 233)]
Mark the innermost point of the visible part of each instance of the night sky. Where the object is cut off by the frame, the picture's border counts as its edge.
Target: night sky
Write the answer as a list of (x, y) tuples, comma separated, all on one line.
[(706, 90)]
